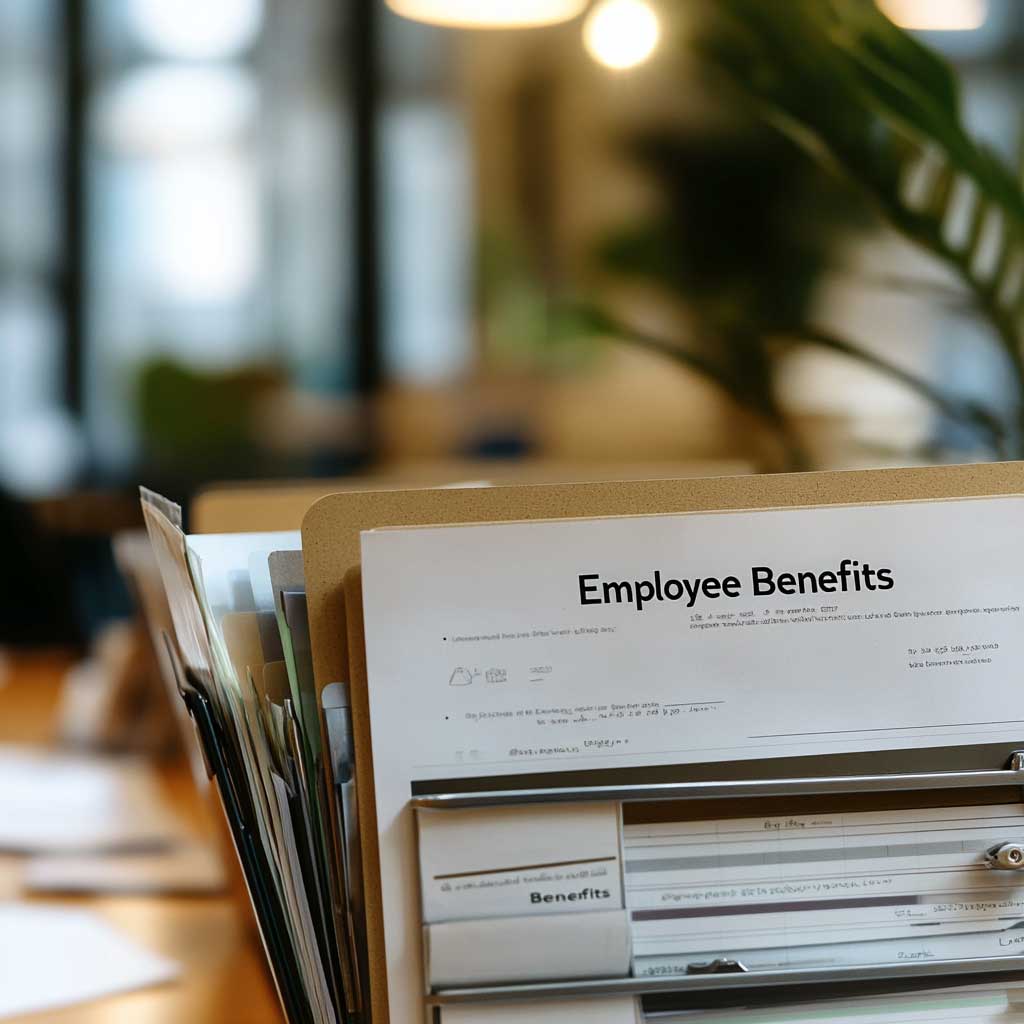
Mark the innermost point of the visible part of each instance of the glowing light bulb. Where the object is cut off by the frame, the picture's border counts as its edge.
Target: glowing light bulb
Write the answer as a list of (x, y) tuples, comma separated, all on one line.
[(489, 13), (936, 15), (621, 34)]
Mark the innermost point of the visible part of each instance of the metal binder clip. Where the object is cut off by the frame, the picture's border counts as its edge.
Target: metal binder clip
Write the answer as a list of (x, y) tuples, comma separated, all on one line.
[(717, 967), (1005, 857)]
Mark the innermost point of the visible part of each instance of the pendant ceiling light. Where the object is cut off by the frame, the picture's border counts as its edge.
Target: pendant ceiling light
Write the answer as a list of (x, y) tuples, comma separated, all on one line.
[(937, 15), (620, 34), (489, 13)]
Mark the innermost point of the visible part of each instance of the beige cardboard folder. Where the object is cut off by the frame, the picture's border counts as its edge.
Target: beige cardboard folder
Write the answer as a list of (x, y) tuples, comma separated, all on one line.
[(253, 507), (331, 551)]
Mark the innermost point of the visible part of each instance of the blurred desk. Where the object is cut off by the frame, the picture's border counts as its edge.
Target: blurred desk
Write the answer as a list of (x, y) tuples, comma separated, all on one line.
[(223, 978)]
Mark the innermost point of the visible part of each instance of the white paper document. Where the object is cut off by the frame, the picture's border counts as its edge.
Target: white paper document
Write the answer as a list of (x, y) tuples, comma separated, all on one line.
[(950, 946), (950, 1006), (506, 950), (669, 640), (608, 1010), (192, 867), (53, 956), (806, 858), (519, 861), (57, 802), (777, 885)]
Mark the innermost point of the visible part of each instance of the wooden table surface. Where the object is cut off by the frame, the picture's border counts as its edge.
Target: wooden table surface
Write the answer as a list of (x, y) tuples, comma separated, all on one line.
[(223, 977)]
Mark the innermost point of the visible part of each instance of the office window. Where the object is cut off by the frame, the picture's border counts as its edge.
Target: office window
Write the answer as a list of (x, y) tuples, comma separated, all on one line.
[(218, 191), (427, 206), (40, 450)]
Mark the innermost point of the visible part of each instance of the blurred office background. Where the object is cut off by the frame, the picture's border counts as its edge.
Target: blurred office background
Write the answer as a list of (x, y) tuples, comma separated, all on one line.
[(257, 238), (266, 239)]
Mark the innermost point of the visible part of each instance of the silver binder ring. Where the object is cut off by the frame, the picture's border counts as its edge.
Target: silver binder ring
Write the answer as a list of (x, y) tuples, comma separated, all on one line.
[(1005, 857)]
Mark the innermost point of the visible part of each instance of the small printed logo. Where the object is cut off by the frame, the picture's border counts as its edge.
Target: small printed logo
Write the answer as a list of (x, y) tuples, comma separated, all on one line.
[(464, 676)]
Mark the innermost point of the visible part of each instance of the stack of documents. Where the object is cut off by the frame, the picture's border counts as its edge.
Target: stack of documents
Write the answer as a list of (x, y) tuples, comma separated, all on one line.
[(632, 756), (242, 654), (590, 653)]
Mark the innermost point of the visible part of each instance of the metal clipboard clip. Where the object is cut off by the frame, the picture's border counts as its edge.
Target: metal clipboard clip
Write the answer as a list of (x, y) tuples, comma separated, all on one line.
[(721, 974)]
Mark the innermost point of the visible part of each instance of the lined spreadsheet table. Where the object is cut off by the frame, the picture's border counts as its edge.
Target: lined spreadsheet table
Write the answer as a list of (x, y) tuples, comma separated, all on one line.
[(824, 889)]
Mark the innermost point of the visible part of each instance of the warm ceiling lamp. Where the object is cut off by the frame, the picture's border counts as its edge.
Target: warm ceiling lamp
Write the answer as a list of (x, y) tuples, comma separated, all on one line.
[(936, 15), (621, 34), (489, 13)]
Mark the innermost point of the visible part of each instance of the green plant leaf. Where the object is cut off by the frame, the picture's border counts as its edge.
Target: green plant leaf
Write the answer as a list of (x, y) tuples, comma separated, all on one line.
[(729, 378), (842, 80), (900, 50)]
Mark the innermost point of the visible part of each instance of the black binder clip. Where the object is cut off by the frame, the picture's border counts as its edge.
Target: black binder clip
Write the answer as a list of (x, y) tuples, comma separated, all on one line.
[(717, 967)]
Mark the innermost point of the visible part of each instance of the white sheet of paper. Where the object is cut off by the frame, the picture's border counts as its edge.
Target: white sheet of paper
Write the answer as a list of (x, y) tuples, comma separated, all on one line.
[(54, 801), (1006, 942), (528, 949), (931, 852), (609, 1010), (826, 878), (975, 1006), (189, 867), (517, 861), (53, 956), (226, 558), (483, 658)]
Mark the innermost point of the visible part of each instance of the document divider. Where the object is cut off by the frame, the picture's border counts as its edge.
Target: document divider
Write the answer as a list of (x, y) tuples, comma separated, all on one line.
[(1013, 775), (331, 552), (996, 970), (732, 974), (223, 769)]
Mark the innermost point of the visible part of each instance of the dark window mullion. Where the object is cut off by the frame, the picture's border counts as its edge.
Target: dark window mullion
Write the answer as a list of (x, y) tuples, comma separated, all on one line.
[(73, 200)]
